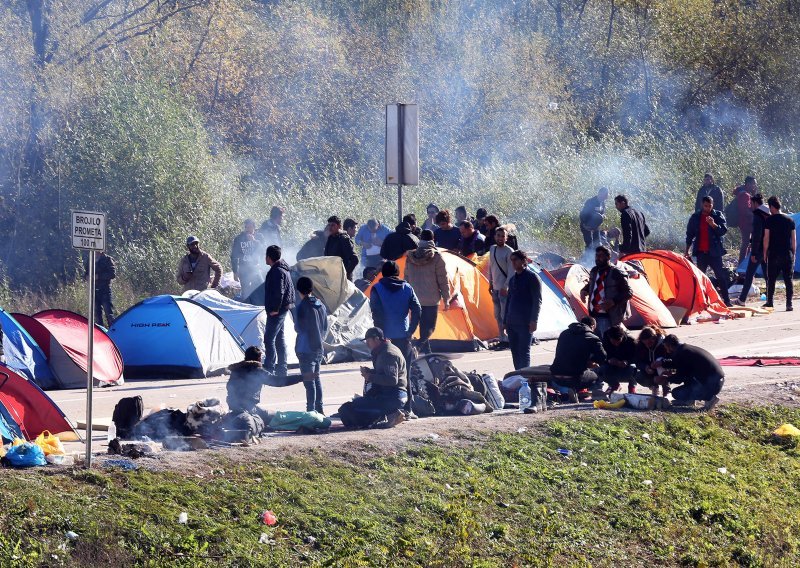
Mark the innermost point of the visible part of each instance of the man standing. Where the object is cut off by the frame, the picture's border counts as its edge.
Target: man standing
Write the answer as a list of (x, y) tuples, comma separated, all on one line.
[(592, 216), (278, 300), (577, 351), (634, 227), (271, 228), (398, 243), (780, 247), (500, 270), (370, 237), (756, 259), (340, 244), (522, 309), (105, 270), (742, 196), (311, 324), (471, 241), (350, 227), (608, 292), (708, 189), (698, 372), (245, 260), (194, 269), (427, 274), (705, 234), (446, 236), (430, 221), (461, 215)]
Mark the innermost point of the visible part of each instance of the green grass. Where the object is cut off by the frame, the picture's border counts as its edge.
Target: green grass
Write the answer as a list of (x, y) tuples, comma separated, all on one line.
[(494, 500)]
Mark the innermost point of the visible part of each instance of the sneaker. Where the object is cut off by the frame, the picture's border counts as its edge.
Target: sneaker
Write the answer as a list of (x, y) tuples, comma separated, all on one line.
[(711, 403), (390, 420), (738, 302), (768, 305), (570, 397), (410, 415), (600, 394), (789, 309), (501, 346), (584, 395)]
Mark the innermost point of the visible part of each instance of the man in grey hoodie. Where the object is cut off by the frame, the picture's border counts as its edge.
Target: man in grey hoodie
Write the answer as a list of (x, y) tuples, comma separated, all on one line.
[(500, 270), (427, 274)]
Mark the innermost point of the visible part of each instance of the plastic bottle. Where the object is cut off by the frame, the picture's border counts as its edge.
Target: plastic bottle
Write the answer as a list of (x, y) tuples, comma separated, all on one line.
[(524, 396), (112, 432)]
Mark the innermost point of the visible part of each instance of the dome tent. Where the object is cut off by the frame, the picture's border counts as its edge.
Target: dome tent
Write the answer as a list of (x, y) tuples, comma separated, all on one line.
[(23, 354)]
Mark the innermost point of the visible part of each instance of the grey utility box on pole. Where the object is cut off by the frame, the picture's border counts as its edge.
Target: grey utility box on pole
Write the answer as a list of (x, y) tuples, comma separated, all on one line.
[(402, 149)]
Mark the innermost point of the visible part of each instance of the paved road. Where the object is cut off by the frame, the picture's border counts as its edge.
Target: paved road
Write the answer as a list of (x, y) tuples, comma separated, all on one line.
[(776, 334)]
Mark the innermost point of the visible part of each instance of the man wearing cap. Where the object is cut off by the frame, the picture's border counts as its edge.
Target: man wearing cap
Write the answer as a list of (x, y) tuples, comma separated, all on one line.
[(194, 269), (385, 385), (245, 258)]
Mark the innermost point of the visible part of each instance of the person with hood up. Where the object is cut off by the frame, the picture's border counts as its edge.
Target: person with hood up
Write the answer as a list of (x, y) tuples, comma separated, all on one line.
[(398, 243), (697, 371), (427, 274), (471, 241), (756, 259), (340, 244), (650, 351), (311, 324), (522, 309), (245, 258), (195, 268), (608, 292), (577, 351), (278, 300), (370, 237)]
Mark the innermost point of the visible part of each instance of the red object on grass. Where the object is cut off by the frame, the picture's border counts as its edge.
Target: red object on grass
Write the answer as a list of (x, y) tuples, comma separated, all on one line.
[(269, 518)]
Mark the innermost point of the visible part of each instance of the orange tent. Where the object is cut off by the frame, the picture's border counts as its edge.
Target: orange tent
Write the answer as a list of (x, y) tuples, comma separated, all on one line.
[(683, 288), (469, 322)]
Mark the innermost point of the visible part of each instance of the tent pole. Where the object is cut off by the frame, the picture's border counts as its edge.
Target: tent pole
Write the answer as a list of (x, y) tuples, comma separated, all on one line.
[(89, 363)]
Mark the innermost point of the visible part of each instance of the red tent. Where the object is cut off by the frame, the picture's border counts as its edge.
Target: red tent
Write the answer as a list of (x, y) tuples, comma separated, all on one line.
[(62, 336), (32, 410)]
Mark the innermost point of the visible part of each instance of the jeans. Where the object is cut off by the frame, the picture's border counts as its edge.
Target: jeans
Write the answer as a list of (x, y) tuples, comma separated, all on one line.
[(704, 260), (519, 341), (590, 237), (616, 375), (103, 302), (750, 273), (379, 402), (500, 312), (603, 324), (697, 389), (583, 381), (309, 365), (780, 263), (427, 325), (405, 347), (275, 344)]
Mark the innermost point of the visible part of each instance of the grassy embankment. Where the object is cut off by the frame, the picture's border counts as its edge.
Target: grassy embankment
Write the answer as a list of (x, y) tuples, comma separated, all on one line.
[(622, 498)]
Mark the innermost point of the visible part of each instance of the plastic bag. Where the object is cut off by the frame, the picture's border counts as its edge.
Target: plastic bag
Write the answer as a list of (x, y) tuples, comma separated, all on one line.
[(50, 444), (26, 455)]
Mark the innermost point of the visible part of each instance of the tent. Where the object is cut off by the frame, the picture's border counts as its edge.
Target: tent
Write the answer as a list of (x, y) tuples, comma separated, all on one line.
[(29, 411), (556, 313), (174, 336), (23, 354), (742, 268), (466, 326), (646, 308), (62, 335), (679, 284)]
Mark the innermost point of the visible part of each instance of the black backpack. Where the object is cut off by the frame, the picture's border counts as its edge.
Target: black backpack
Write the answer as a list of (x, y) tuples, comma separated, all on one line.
[(732, 212), (127, 413)]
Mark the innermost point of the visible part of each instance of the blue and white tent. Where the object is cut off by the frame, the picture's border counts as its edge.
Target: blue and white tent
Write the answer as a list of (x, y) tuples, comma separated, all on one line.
[(23, 354), (556, 313), (742, 268), (172, 336)]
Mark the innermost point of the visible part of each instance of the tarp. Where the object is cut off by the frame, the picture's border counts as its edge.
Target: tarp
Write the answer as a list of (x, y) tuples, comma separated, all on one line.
[(23, 354), (31, 409), (62, 335), (174, 336), (742, 268), (466, 326), (680, 285), (346, 329), (734, 361)]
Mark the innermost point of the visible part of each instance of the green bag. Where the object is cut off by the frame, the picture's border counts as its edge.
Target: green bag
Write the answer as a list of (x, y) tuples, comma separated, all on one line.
[(293, 420)]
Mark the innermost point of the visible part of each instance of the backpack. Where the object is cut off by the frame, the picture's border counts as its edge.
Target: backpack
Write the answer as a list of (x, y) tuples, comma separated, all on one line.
[(127, 413), (732, 212)]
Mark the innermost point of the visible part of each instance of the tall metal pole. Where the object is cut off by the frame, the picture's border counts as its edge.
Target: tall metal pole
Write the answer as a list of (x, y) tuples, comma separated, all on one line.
[(399, 203), (90, 364)]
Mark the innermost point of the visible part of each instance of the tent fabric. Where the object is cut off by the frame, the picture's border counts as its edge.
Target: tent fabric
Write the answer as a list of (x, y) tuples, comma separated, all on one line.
[(23, 354), (467, 325), (346, 329), (31, 409), (680, 285), (742, 268), (556, 313), (174, 336)]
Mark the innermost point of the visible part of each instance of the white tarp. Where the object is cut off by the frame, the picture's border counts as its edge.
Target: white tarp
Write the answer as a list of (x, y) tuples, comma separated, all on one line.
[(215, 345)]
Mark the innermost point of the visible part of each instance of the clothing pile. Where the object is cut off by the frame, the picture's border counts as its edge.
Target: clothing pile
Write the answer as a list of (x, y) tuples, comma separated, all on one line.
[(439, 388)]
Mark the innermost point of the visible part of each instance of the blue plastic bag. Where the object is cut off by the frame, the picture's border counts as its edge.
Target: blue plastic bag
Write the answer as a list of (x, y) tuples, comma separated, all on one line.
[(26, 455)]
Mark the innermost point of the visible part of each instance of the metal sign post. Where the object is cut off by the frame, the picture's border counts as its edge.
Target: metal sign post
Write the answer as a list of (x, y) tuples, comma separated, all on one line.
[(402, 149), (89, 233)]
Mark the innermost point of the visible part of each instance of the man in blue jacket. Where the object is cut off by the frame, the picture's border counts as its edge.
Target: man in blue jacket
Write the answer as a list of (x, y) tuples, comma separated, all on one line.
[(705, 238), (311, 324), (278, 300), (522, 309), (391, 302)]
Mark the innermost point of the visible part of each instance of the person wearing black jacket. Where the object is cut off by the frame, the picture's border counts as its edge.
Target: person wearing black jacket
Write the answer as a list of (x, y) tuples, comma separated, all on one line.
[(634, 227), (607, 292), (246, 251), (522, 309), (780, 248), (699, 373), (578, 348), (705, 236), (756, 259), (105, 270), (620, 364), (592, 216), (278, 300), (708, 189), (396, 244), (340, 244)]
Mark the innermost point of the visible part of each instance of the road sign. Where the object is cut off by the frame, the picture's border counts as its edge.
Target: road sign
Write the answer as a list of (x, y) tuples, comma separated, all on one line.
[(402, 144), (89, 230)]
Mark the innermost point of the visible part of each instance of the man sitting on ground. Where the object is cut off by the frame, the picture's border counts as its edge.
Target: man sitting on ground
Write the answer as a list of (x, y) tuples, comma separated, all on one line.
[(577, 351), (697, 371), (244, 386), (619, 367)]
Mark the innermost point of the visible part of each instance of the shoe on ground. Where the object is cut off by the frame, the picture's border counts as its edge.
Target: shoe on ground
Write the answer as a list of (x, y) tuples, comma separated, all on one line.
[(612, 388), (789, 309), (501, 346), (410, 415), (600, 394), (392, 419), (768, 305), (711, 403), (631, 389), (738, 302)]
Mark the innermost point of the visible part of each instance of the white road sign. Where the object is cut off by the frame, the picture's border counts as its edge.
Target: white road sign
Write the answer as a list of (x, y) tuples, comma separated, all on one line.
[(89, 230)]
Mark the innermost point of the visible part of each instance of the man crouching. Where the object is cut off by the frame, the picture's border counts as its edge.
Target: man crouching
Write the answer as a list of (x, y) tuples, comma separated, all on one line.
[(699, 373)]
